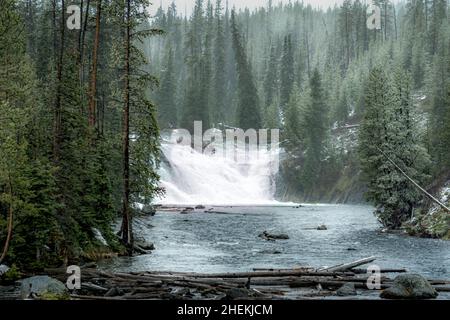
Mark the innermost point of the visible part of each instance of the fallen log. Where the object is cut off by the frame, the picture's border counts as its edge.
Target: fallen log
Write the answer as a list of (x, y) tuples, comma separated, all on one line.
[(442, 288), (364, 271), (85, 297), (306, 269), (347, 266), (333, 284), (93, 287), (263, 274)]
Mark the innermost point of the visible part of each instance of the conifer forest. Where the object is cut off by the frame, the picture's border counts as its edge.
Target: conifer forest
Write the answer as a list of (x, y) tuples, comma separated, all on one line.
[(357, 94)]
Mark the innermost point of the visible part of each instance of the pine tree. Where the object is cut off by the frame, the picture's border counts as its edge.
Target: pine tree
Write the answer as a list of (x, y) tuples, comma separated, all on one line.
[(272, 116), (248, 112), (271, 78), (388, 133), (287, 71), (167, 107), (196, 106), (221, 108), (437, 87), (139, 130), (26, 187), (438, 14), (315, 128), (293, 131), (446, 130)]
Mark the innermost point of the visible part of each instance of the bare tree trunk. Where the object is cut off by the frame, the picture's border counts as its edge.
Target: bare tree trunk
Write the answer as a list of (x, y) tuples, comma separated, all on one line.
[(395, 23), (83, 32), (127, 236), (80, 33), (93, 89), (10, 223), (385, 19), (57, 111), (347, 39)]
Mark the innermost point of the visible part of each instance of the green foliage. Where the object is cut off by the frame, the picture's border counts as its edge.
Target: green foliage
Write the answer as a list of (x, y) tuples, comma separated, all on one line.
[(248, 113), (388, 131), (287, 71), (271, 78), (58, 173), (167, 115), (315, 131)]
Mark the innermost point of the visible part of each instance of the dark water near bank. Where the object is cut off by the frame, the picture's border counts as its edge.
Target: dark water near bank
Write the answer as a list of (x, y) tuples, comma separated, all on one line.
[(228, 241)]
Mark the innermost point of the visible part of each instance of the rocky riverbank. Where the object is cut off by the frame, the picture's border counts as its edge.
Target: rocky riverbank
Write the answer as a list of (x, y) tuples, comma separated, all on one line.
[(432, 220)]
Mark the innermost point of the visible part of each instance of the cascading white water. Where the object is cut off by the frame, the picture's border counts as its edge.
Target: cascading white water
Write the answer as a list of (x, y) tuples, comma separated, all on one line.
[(193, 178)]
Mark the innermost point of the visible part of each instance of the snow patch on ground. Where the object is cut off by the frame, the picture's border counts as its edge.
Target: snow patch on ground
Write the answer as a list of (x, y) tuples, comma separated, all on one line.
[(345, 139), (444, 197)]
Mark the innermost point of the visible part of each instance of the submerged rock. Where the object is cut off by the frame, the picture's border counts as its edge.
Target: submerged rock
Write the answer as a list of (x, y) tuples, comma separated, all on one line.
[(347, 289), (43, 287), (149, 210), (271, 252), (272, 236), (410, 286), (238, 293), (187, 210)]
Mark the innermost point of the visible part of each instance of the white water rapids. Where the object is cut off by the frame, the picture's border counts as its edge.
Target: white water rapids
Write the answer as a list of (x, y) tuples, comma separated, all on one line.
[(192, 178)]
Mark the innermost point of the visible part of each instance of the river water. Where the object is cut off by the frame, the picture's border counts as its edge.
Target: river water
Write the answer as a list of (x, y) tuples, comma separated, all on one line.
[(227, 240)]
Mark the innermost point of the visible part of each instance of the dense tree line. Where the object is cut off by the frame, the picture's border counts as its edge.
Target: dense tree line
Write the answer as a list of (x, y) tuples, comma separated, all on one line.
[(312, 73), (79, 137)]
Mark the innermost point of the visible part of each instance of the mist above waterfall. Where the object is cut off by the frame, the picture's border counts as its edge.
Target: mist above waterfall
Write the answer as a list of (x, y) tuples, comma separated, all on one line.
[(193, 178)]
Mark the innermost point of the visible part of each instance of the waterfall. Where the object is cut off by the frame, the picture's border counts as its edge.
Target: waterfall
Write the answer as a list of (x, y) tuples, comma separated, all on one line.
[(193, 178)]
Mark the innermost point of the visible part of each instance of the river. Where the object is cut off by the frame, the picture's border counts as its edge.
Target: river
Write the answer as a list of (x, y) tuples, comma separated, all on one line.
[(228, 241)]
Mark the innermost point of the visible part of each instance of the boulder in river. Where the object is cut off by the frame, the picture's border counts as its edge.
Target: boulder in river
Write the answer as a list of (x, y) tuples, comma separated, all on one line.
[(410, 286), (149, 210), (43, 287), (143, 247), (273, 236), (347, 289)]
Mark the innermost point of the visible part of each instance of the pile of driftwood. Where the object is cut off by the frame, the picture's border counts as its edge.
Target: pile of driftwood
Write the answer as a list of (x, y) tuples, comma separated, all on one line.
[(260, 284)]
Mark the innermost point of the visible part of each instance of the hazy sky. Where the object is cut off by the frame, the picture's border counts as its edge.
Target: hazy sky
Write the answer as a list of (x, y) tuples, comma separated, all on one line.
[(189, 4)]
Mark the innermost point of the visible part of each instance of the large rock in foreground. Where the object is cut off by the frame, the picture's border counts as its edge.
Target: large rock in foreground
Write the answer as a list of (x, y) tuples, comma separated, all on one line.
[(410, 286), (347, 289), (43, 287)]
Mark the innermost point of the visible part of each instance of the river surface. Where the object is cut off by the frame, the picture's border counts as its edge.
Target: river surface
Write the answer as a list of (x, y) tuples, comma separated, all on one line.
[(227, 241)]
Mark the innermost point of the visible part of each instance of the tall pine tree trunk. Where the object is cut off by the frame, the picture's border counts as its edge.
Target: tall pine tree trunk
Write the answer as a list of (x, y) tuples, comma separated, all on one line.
[(93, 88), (83, 32), (59, 85), (10, 223), (127, 236)]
